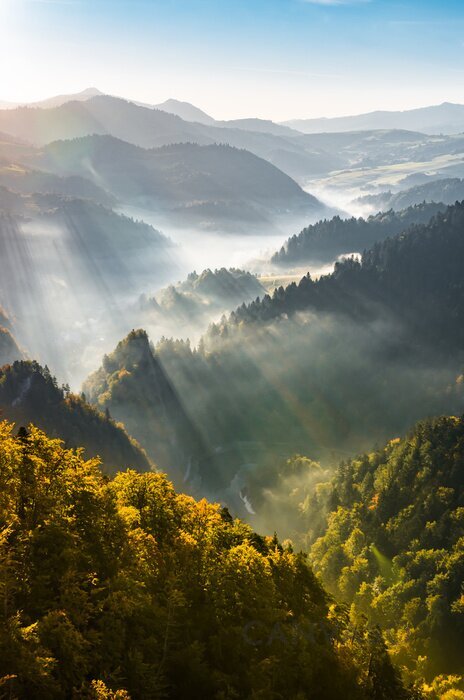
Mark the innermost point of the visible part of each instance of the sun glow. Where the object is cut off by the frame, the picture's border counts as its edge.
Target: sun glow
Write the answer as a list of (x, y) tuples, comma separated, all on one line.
[(16, 53)]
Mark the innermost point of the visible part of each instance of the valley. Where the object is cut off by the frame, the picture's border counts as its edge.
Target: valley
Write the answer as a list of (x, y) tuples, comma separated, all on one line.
[(236, 349)]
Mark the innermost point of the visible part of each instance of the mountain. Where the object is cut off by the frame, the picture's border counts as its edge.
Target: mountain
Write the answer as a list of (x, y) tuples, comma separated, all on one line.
[(9, 349), (228, 284), (198, 185), (186, 111), (392, 548), (195, 302), (446, 118), (55, 101), (446, 190), (190, 113), (302, 156), (59, 100), (23, 180), (151, 128), (14, 149), (40, 126), (317, 369), (329, 239), (134, 385), (29, 394), (369, 149), (414, 274), (142, 126), (264, 126)]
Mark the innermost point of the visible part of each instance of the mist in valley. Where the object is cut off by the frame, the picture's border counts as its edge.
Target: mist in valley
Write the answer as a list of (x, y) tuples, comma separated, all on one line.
[(98, 240), (231, 350), (326, 386), (74, 284)]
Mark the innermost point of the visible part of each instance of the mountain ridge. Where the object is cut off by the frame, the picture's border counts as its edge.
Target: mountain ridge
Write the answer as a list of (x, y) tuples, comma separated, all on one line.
[(211, 183), (446, 117)]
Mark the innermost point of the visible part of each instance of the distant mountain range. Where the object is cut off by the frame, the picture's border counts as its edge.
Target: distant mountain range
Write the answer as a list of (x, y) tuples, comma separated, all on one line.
[(447, 118), (148, 127), (186, 111), (55, 101), (446, 190), (360, 142), (208, 187), (190, 113)]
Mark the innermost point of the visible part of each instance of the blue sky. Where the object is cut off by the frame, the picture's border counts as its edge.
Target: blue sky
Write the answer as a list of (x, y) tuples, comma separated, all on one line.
[(276, 58)]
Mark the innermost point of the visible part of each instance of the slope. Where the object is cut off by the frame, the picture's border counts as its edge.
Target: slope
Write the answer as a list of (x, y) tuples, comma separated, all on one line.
[(124, 589), (213, 184), (29, 394), (151, 128), (393, 547), (321, 368), (329, 239), (185, 111), (446, 190)]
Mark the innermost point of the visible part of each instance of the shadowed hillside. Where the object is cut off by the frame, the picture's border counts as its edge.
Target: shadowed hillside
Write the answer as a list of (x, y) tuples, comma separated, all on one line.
[(29, 394)]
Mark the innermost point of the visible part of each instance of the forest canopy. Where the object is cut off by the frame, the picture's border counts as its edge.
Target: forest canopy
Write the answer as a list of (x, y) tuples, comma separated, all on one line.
[(393, 547), (118, 588)]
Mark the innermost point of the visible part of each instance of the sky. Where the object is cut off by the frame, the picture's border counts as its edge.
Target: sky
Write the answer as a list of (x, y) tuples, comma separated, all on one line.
[(276, 59)]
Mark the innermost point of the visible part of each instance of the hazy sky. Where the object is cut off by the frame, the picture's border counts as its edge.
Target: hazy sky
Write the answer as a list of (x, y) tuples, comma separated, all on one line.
[(234, 58)]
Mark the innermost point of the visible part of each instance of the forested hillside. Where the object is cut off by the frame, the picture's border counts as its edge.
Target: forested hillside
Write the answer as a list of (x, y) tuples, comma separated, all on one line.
[(394, 547), (122, 588), (382, 336), (192, 304), (328, 239), (446, 190), (134, 386), (9, 350), (415, 275), (196, 184), (231, 350), (29, 394), (20, 179)]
